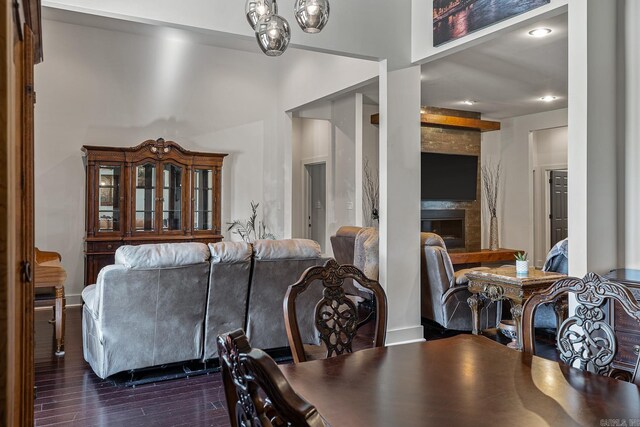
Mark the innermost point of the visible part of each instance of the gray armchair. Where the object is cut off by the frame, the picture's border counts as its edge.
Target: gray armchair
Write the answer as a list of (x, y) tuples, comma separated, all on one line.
[(358, 246), (445, 293)]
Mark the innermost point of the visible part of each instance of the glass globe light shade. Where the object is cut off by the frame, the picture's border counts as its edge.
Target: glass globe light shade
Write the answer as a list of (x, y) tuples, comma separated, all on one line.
[(312, 15), (273, 34), (257, 9)]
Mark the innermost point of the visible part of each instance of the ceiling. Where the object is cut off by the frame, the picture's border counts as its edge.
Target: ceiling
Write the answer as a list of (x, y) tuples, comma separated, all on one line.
[(506, 76)]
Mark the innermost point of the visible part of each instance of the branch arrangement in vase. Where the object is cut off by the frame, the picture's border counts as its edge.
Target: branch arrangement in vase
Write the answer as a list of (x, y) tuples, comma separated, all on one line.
[(371, 194), (491, 182), (247, 229)]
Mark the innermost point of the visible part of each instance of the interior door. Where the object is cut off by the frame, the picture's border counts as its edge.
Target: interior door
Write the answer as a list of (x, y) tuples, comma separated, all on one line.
[(558, 215), (317, 200)]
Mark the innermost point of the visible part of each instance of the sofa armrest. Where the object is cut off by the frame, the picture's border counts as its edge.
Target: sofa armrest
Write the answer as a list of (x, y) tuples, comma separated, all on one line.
[(460, 276)]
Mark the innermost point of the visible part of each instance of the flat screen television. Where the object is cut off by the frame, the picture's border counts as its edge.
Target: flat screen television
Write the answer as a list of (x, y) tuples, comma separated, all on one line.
[(449, 177)]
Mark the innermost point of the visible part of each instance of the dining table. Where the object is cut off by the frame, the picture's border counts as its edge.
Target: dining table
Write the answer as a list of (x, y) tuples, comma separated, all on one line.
[(466, 380)]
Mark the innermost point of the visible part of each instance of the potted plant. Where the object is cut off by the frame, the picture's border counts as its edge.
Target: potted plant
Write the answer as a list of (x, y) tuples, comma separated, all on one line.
[(522, 263)]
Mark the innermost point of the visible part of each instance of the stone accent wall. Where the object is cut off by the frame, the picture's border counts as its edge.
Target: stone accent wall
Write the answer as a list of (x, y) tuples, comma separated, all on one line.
[(456, 141)]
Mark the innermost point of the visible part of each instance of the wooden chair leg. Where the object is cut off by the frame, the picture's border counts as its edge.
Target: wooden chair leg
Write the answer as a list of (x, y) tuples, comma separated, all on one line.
[(60, 317)]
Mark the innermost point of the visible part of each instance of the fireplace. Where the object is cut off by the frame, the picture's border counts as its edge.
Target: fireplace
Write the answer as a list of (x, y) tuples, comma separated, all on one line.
[(447, 223)]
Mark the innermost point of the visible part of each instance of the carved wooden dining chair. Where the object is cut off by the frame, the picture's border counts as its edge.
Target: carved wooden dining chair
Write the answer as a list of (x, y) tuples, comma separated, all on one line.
[(336, 315), (585, 340), (256, 391)]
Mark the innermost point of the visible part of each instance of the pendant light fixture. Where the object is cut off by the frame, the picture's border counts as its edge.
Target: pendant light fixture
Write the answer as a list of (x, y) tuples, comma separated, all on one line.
[(273, 35), (312, 15), (272, 30)]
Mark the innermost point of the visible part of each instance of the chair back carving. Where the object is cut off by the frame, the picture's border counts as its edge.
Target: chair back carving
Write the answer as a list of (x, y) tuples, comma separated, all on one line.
[(256, 391), (585, 340), (336, 315)]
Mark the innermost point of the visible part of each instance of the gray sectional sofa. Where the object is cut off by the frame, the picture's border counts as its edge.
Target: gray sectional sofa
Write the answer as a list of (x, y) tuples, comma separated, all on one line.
[(167, 303)]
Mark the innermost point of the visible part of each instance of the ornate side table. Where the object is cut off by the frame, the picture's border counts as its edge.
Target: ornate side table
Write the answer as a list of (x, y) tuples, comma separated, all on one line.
[(503, 283)]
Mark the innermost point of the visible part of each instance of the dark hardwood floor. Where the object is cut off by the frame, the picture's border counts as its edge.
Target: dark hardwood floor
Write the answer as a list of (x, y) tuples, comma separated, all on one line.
[(69, 393)]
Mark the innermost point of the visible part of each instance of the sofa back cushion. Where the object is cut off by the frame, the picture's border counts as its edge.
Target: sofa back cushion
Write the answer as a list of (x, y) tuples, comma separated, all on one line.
[(278, 264), (228, 291), (163, 255), (287, 249)]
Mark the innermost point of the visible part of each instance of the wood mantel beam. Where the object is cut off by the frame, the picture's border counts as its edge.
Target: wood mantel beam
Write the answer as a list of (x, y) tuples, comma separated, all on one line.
[(437, 120)]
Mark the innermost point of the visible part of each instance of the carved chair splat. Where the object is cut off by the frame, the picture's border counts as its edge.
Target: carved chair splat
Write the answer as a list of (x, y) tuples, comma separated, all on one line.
[(256, 391), (585, 340), (336, 316)]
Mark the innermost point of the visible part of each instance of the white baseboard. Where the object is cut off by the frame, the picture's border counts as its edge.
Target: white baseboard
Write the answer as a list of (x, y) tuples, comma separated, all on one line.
[(405, 335), (73, 299)]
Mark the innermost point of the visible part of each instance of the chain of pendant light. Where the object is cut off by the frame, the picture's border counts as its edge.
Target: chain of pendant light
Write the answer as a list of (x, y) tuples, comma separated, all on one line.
[(272, 30)]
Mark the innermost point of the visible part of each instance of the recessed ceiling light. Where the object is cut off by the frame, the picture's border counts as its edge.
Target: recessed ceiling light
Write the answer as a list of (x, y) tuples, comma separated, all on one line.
[(540, 32), (548, 98), (468, 102)]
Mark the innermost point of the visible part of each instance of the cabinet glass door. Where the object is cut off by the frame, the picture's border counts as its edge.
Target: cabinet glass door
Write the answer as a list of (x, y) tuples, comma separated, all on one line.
[(203, 199), (109, 199), (145, 197), (171, 197)]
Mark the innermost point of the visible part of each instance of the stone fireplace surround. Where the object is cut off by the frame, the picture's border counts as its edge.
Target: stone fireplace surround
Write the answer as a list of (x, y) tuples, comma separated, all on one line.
[(455, 141)]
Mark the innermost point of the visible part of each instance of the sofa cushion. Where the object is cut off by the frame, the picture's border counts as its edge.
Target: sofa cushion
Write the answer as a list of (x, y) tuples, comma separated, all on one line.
[(163, 255), (90, 298), (230, 252), (286, 249)]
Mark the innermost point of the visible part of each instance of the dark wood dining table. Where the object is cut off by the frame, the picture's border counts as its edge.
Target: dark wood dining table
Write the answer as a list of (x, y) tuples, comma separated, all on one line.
[(461, 381)]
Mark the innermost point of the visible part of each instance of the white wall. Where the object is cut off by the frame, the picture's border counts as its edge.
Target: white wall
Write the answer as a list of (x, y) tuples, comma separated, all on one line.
[(343, 176), (311, 143), (100, 87), (422, 49), (549, 152), (512, 146)]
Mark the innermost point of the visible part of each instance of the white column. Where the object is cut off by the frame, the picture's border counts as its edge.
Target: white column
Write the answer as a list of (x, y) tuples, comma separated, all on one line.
[(632, 131), (593, 137), (400, 201), (359, 160)]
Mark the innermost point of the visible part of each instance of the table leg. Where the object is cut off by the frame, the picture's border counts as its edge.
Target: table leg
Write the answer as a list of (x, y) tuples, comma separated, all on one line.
[(59, 320), (475, 303), (516, 312)]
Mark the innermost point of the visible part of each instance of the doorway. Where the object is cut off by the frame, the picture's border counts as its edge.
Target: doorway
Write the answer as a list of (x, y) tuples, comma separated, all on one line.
[(549, 191), (315, 201)]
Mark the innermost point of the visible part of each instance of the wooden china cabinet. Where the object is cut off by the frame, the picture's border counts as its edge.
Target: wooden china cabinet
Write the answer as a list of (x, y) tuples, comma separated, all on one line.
[(156, 192)]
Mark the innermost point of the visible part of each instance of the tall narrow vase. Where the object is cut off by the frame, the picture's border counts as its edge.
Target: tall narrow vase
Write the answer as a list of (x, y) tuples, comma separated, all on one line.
[(493, 234)]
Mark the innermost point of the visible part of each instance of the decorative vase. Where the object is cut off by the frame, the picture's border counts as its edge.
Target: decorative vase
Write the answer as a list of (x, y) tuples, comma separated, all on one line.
[(493, 234), (522, 267)]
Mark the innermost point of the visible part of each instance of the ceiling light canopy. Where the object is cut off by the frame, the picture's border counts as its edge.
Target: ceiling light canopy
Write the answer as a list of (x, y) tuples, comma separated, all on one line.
[(540, 32), (468, 102), (272, 30), (548, 98)]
